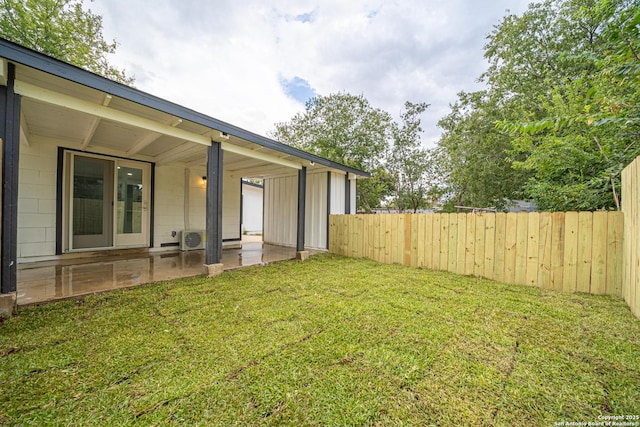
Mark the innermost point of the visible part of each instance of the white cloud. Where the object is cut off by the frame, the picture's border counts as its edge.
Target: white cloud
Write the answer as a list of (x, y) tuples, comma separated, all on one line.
[(228, 59)]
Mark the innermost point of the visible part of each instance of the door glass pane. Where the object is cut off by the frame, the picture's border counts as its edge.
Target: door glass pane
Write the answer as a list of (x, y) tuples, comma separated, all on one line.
[(88, 196), (129, 200)]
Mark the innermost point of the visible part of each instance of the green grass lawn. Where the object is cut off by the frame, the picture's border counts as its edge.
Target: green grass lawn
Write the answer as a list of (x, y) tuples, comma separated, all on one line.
[(331, 341)]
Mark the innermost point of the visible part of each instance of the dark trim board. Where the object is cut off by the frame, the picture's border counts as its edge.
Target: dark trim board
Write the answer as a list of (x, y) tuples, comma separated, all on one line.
[(75, 150), (263, 205), (152, 206), (241, 211), (10, 134), (59, 201), (302, 195), (347, 194), (38, 61), (213, 245), (251, 184), (328, 205)]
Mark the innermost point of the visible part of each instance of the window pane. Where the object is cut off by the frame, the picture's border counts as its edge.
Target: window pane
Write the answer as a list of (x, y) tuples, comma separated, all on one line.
[(88, 196), (129, 200)]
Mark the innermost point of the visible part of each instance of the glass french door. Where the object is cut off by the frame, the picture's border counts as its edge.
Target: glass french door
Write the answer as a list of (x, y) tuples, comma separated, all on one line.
[(109, 204), (92, 211), (132, 203)]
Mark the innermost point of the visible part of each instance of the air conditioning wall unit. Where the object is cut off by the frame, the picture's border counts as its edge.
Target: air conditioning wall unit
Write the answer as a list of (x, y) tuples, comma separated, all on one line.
[(191, 240)]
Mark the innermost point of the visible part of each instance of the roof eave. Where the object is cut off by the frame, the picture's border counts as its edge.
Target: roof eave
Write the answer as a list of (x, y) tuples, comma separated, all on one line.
[(30, 58)]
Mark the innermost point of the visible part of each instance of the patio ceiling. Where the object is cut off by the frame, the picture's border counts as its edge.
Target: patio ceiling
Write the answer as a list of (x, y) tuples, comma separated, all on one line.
[(87, 119)]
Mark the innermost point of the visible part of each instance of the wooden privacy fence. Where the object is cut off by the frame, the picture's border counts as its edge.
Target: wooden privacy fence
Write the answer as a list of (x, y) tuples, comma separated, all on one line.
[(631, 253), (568, 251)]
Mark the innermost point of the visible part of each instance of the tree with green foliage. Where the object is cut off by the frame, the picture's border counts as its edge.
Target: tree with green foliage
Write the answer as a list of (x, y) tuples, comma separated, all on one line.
[(372, 192), (412, 167), (346, 129), (562, 85), (587, 130), (476, 155), (62, 29)]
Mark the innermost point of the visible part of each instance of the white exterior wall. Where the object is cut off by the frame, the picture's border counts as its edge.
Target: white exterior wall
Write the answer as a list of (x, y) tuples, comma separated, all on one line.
[(168, 204), (37, 200), (231, 207), (315, 229), (281, 208), (280, 213), (252, 208), (337, 193), (170, 208)]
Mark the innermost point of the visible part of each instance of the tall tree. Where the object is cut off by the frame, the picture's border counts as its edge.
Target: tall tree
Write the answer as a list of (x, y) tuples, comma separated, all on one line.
[(62, 29), (412, 167), (477, 155), (587, 129), (562, 84), (346, 129)]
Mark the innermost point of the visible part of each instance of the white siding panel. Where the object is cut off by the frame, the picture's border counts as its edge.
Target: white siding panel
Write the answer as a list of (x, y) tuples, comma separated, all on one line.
[(197, 199), (231, 197), (316, 211), (37, 199), (280, 207), (252, 208), (231, 200), (168, 204), (337, 193)]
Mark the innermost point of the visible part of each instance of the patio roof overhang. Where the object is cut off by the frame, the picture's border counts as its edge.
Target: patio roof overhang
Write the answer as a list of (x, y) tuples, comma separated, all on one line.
[(91, 113)]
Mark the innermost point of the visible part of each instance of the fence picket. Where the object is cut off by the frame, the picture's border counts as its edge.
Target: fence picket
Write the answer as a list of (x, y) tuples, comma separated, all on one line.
[(498, 260), (544, 251), (599, 254), (490, 245), (470, 244), (437, 245), (520, 276), (453, 239), (478, 262), (585, 236), (557, 250), (511, 234), (533, 235)]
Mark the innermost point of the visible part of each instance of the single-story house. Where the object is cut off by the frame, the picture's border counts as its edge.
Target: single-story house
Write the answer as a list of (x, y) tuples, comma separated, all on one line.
[(91, 165), (252, 199)]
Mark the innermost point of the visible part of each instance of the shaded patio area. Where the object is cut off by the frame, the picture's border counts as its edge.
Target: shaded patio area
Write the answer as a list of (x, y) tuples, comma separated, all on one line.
[(54, 280)]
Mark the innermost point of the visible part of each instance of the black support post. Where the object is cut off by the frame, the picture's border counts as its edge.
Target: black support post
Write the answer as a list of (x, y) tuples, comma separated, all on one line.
[(347, 194), (328, 206), (213, 248), (10, 134), (302, 194)]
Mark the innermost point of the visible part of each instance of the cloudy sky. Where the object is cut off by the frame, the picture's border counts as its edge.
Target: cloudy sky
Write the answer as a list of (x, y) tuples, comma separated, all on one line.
[(253, 63)]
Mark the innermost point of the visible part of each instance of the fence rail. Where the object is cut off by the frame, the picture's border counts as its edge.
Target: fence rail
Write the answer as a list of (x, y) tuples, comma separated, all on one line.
[(568, 251)]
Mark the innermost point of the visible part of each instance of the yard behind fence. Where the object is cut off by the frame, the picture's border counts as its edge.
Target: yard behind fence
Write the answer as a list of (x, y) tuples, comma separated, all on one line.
[(593, 252)]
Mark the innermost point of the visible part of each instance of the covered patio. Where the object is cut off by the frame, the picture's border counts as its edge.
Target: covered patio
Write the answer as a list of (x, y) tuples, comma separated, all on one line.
[(90, 166), (46, 281)]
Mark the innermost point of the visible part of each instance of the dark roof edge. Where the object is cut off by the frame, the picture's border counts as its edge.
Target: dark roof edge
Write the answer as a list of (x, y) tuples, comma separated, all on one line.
[(252, 184), (30, 58)]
